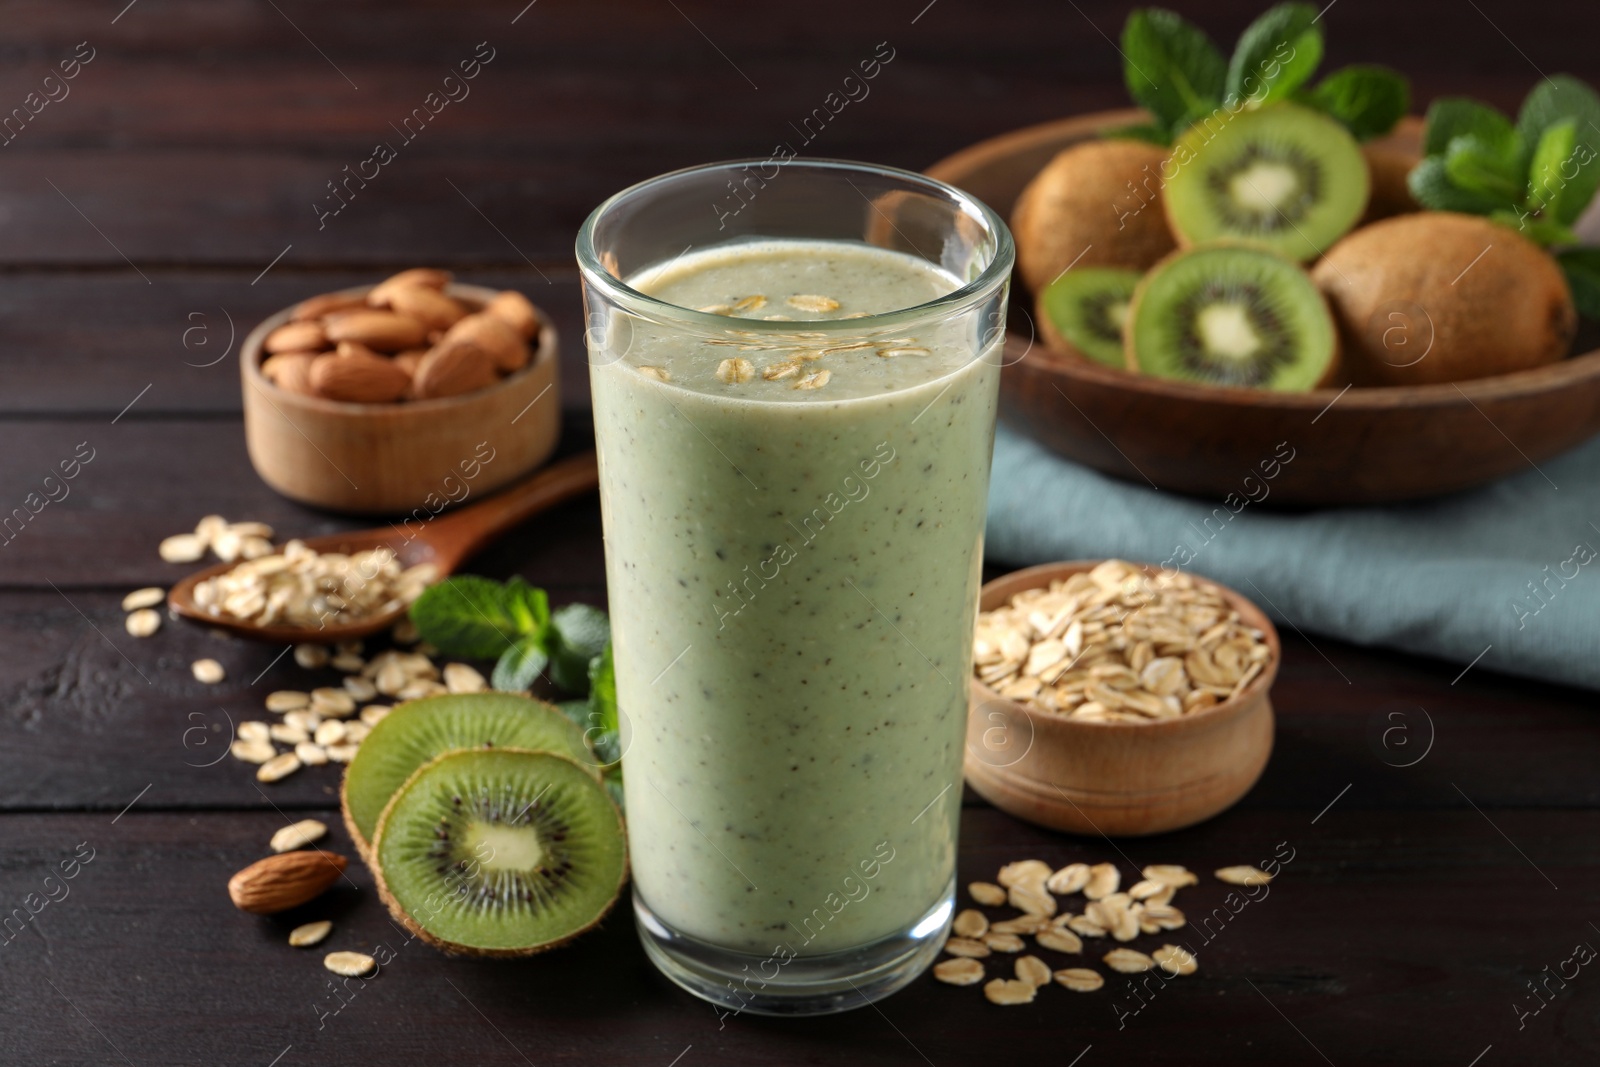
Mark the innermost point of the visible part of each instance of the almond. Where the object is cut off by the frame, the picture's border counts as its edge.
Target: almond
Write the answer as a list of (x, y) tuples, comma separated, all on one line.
[(385, 331), (296, 337), (285, 880), (428, 306), (317, 306), (450, 370), (407, 361), (514, 308), (358, 376), (290, 371), (493, 335), (427, 277)]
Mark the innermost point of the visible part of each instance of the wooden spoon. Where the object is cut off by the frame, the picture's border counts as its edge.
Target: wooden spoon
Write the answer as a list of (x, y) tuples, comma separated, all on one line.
[(444, 541)]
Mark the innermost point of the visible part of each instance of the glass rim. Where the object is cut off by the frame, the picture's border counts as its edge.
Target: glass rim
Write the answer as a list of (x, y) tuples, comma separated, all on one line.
[(995, 273)]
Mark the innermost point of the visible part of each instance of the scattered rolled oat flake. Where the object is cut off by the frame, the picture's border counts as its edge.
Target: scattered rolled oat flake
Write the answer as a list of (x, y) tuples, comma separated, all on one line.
[(812, 302), (658, 373), (986, 893), (298, 835), (349, 964), (1058, 940), (287, 700), (970, 923), (893, 353), (208, 671), (1004, 942), (1175, 960), (1243, 875), (311, 754), (360, 689), (1033, 970), (347, 663), (142, 623), (251, 730), (1171, 874), (373, 714), (147, 597), (1069, 879), (1022, 924), (1032, 899), (815, 380), (754, 302), (735, 371), (1079, 979), (966, 946), (779, 371), (182, 548), (1149, 887), (959, 971), (309, 934), (334, 703), (460, 678), (1024, 872), (252, 751), (1007, 991), (1082, 924), (1128, 961), (287, 733), (329, 733), (341, 753), (1164, 916), (278, 767), (311, 656), (1103, 881)]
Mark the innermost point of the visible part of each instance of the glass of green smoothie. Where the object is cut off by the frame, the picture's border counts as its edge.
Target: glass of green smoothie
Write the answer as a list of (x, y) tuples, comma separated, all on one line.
[(795, 367)]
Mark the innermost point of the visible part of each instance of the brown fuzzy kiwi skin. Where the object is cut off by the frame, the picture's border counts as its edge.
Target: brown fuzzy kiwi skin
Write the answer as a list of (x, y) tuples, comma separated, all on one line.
[(451, 948), (1333, 374), (1509, 311), (1103, 196), (1389, 168)]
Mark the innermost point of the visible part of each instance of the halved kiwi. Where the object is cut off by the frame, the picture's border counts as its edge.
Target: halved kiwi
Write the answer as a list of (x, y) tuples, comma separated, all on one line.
[(499, 852), (1082, 313), (1284, 177), (1232, 315), (419, 730)]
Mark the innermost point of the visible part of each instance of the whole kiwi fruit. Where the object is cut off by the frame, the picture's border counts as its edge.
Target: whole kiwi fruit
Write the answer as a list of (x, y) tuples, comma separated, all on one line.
[(1436, 296), (1097, 204), (1388, 168)]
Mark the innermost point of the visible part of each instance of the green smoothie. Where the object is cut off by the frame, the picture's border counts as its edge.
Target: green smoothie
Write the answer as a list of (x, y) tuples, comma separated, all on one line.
[(794, 522)]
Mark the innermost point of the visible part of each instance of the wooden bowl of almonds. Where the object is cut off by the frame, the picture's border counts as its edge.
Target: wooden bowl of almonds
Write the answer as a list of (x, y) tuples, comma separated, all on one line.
[(408, 396), (1114, 698)]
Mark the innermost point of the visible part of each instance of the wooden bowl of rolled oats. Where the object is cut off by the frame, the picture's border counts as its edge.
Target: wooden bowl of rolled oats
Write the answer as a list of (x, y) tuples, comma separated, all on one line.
[(1110, 697)]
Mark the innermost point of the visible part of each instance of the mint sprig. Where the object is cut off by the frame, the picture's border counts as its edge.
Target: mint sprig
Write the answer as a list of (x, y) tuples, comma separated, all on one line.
[(1177, 74), (511, 623), (1535, 175)]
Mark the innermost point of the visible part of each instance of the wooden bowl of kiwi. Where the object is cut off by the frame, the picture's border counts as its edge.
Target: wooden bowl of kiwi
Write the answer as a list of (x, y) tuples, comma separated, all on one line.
[(1353, 438)]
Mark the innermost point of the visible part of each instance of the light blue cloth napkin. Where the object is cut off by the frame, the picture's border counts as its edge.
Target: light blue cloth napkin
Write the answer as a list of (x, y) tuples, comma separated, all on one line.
[(1509, 573)]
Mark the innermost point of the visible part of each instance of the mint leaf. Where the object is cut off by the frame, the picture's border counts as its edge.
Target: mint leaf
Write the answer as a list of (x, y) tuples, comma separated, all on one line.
[(519, 666), (1452, 117), (1547, 181), (603, 690), (530, 607), (1276, 54), (1556, 99), (1473, 163), (1171, 67), (1432, 188), (1369, 100), (578, 633), (1582, 268), (472, 617)]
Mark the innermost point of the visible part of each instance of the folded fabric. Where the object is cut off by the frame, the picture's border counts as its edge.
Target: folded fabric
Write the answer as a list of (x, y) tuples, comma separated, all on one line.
[(1505, 577)]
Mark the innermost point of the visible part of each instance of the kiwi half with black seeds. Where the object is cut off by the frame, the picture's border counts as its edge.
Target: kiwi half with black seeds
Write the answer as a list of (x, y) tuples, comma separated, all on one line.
[(1082, 313), (419, 730), (1283, 177), (1232, 315), (499, 852)]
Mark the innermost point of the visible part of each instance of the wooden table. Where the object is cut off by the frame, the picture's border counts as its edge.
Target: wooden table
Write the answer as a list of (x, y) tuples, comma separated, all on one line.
[(167, 203)]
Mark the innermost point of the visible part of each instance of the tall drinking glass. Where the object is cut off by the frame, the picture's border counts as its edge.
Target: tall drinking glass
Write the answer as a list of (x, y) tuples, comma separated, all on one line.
[(795, 370)]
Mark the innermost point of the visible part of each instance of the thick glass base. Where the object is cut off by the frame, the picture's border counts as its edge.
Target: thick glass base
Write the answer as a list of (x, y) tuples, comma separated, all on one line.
[(799, 985)]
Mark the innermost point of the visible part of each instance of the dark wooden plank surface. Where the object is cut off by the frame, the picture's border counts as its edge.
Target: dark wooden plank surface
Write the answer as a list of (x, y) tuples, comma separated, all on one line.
[(138, 217)]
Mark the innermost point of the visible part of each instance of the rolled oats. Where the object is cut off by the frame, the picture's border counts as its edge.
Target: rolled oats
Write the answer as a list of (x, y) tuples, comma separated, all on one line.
[(1010, 991), (1033, 970), (1175, 960), (1079, 979), (959, 971)]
